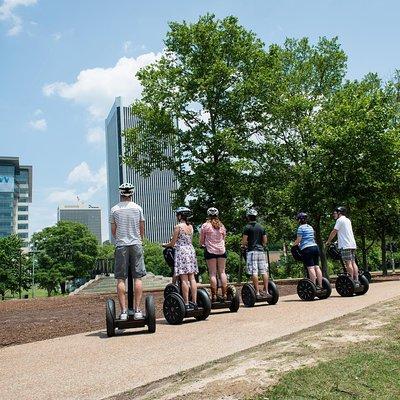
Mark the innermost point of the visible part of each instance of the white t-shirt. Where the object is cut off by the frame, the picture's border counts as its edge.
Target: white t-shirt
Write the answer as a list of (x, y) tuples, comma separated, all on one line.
[(127, 216), (345, 233)]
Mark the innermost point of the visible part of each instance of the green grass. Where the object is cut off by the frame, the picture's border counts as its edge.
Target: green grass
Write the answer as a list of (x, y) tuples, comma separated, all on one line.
[(370, 370), (38, 293)]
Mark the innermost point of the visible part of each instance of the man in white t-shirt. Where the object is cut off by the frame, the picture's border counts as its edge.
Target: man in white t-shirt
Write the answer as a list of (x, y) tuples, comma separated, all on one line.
[(346, 242), (127, 227)]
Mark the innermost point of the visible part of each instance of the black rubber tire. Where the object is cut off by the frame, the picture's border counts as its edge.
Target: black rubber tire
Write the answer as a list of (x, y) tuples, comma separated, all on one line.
[(364, 282), (306, 290), (203, 301), (327, 286), (233, 296), (150, 314), (174, 309), (368, 275), (248, 295), (171, 288), (345, 286), (110, 317), (274, 292)]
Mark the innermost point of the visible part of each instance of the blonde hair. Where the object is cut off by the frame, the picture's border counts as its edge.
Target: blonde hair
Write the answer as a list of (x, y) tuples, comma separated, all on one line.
[(215, 222)]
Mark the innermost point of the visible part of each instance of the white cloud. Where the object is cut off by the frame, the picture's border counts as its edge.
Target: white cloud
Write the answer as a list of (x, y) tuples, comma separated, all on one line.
[(56, 36), (39, 124), (82, 173), (38, 112), (63, 196), (127, 46), (96, 88), (7, 14), (95, 136)]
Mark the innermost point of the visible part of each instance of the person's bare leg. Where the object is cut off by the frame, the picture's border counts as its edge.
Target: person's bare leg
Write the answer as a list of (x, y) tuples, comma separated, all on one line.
[(355, 270), (138, 293), (255, 283), (318, 272), (312, 275), (185, 288), (193, 287), (221, 262), (265, 281), (212, 271), (349, 268), (121, 294)]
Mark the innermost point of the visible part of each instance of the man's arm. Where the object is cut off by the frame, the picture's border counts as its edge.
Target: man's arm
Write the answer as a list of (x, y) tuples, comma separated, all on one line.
[(331, 236), (113, 229), (264, 240), (141, 229), (244, 241)]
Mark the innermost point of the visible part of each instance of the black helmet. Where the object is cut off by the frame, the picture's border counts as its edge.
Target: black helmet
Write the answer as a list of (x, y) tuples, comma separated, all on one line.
[(126, 189), (342, 210), (184, 211), (213, 212), (302, 216)]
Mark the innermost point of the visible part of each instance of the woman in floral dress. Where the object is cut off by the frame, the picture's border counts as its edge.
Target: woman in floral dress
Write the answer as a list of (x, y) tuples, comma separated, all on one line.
[(185, 256)]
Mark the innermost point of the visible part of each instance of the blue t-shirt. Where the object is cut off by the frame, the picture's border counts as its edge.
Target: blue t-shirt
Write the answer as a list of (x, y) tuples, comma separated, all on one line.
[(307, 236)]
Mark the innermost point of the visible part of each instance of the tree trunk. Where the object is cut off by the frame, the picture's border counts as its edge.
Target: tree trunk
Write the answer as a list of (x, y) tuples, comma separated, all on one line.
[(383, 251), (364, 249), (320, 243), (48, 292), (62, 287)]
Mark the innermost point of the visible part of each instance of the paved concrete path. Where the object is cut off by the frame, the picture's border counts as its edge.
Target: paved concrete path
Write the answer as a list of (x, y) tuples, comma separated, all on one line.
[(92, 366)]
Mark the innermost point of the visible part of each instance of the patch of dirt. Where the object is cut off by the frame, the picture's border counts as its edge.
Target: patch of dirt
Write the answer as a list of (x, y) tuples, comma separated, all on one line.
[(252, 371), (24, 321)]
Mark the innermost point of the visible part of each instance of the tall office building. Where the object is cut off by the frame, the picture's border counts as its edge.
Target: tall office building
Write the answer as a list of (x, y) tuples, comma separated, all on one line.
[(153, 194), (88, 216), (15, 196)]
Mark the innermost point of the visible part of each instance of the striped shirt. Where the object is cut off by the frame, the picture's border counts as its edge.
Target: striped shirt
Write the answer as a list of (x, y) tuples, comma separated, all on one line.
[(126, 215)]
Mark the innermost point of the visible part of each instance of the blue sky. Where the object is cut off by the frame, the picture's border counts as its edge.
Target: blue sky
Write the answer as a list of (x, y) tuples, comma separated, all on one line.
[(62, 62)]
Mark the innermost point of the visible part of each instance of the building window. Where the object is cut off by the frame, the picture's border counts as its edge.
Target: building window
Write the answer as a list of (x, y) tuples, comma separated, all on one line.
[(22, 226), (22, 218), (23, 200), (23, 235), (22, 208)]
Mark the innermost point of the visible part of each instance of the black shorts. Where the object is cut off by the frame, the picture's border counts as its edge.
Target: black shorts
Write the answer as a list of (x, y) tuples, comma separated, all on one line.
[(210, 256), (310, 256)]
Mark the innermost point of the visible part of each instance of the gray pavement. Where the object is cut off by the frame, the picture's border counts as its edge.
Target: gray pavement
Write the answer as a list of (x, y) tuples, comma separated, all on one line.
[(92, 366)]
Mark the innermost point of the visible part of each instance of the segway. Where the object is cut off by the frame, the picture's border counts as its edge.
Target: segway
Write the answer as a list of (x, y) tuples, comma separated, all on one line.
[(149, 317), (345, 285), (306, 288), (249, 295), (174, 306)]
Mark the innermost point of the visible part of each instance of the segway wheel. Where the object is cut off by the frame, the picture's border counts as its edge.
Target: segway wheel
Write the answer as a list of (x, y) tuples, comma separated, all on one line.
[(248, 295), (174, 309), (170, 288), (274, 292), (365, 284), (344, 286), (327, 287), (110, 317), (150, 314), (368, 275), (233, 296), (306, 290), (204, 302)]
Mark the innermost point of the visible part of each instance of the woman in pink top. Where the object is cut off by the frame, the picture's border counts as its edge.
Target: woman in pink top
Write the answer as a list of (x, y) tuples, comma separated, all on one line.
[(212, 238)]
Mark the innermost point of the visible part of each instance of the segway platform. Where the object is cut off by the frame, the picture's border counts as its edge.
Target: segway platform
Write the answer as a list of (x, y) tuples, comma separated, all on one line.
[(249, 296), (232, 302)]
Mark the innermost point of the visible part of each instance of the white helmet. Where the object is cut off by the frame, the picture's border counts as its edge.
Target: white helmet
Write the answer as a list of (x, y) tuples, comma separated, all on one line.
[(126, 189), (213, 212), (251, 212)]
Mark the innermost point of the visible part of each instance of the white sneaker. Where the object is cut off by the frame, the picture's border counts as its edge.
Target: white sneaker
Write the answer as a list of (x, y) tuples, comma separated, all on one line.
[(123, 316), (138, 315)]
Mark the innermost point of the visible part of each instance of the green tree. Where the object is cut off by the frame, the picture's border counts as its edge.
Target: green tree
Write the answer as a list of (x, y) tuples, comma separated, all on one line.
[(13, 267), (66, 250), (200, 99)]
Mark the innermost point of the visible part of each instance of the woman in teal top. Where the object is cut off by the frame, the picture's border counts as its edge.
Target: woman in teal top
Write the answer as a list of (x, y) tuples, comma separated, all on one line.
[(309, 249)]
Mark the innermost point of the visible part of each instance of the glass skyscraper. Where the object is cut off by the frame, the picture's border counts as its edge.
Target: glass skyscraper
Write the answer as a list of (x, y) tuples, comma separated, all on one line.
[(153, 194), (15, 196)]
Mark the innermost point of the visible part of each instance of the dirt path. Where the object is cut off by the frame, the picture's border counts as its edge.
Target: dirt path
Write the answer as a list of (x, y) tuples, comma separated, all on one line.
[(89, 365)]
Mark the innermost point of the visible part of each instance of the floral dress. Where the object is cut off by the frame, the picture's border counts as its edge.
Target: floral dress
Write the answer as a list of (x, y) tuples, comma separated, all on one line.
[(185, 255)]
